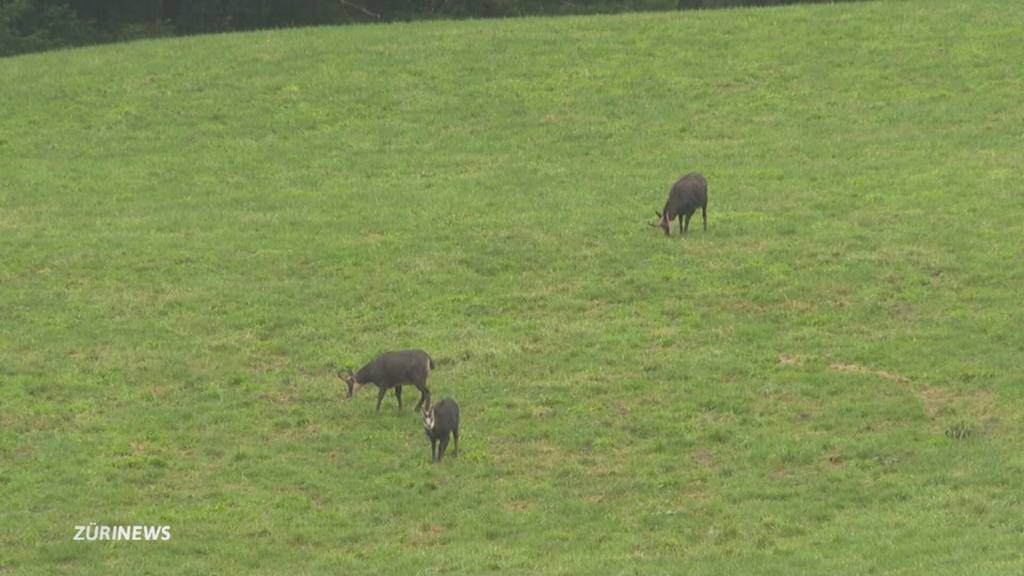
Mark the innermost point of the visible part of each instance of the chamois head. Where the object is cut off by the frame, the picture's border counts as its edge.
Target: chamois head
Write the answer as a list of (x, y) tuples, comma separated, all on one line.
[(428, 418), (350, 380), (662, 223)]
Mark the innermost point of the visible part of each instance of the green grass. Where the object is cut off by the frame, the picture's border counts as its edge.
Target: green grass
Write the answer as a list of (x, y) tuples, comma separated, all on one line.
[(195, 232)]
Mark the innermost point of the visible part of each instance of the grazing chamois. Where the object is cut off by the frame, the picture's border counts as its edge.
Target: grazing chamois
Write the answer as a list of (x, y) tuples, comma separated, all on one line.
[(439, 421), (688, 193), (392, 370)]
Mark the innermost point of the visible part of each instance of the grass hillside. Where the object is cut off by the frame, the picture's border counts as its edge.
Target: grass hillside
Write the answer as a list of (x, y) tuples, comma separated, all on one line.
[(196, 233)]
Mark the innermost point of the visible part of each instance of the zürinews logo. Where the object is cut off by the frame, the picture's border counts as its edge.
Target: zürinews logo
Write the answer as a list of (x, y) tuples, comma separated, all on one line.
[(92, 532)]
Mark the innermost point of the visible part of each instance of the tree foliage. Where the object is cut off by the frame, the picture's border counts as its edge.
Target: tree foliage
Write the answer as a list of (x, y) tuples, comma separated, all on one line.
[(36, 25)]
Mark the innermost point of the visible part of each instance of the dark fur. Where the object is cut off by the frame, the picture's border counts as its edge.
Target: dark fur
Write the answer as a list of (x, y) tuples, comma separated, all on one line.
[(392, 370), (445, 416), (688, 193)]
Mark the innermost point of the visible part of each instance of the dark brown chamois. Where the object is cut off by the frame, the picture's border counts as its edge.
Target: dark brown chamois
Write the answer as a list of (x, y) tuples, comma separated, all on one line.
[(392, 370), (439, 421), (688, 193)]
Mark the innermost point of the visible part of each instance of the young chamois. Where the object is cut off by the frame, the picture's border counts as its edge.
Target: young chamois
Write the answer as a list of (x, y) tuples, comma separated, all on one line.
[(688, 193), (439, 421), (392, 370)]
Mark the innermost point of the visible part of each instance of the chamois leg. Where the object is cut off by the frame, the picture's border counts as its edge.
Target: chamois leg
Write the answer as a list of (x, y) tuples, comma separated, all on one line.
[(380, 396), (456, 434), (704, 215), (433, 449), (686, 224), (442, 447), (424, 396), (398, 394)]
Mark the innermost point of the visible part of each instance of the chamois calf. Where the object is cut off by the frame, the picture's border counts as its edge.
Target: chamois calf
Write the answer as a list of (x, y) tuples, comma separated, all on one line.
[(439, 421), (688, 193), (392, 370)]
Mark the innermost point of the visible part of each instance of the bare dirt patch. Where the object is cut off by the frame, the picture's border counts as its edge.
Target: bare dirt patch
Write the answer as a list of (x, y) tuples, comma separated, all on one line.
[(858, 369), (790, 360), (428, 536), (940, 401), (703, 458)]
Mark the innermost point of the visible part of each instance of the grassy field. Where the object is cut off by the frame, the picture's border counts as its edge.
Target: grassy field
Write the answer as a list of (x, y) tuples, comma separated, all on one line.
[(195, 234)]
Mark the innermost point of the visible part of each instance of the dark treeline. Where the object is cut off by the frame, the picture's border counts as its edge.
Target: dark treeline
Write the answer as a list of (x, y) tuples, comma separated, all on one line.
[(36, 25)]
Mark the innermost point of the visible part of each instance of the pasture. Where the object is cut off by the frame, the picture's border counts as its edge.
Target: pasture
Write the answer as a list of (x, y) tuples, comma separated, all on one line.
[(196, 234)]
